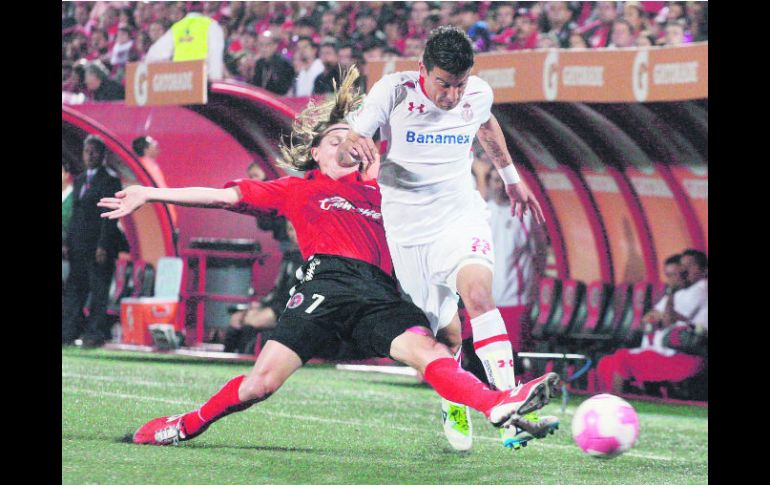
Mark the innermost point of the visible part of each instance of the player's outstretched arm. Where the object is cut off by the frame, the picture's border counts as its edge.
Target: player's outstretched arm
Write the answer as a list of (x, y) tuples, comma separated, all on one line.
[(132, 198), (491, 137)]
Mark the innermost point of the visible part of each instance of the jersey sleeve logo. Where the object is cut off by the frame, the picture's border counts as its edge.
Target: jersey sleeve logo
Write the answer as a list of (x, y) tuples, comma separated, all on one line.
[(412, 107), (295, 300)]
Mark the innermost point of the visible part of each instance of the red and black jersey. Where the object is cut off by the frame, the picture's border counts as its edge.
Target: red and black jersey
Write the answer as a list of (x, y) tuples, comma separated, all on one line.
[(338, 217)]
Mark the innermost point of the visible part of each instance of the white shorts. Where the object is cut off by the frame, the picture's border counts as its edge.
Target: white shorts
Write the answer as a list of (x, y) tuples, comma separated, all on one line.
[(428, 272)]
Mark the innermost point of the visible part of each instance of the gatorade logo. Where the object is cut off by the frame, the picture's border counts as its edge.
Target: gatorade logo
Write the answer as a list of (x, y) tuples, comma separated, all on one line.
[(551, 76), (140, 84), (640, 76)]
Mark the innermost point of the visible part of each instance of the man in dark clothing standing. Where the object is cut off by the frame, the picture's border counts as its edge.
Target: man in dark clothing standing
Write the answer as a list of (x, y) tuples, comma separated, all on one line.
[(92, 246), (272, 71)]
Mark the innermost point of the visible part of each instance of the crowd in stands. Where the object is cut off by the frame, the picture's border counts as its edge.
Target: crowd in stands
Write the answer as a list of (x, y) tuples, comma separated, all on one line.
[(293, 48)]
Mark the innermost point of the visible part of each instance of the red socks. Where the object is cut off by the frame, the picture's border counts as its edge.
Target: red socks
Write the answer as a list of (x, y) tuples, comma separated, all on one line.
[(224, 402), (454, 384)]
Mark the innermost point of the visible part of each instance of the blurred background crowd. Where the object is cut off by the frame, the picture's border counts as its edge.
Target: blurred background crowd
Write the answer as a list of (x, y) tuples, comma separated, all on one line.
[(293, 48)]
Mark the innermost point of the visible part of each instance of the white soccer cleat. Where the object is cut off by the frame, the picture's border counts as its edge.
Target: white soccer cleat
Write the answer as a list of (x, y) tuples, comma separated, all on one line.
[(457, 425)]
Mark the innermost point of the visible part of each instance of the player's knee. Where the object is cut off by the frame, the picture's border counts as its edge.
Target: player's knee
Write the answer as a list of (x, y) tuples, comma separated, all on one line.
[(259, 385), (479, 299)]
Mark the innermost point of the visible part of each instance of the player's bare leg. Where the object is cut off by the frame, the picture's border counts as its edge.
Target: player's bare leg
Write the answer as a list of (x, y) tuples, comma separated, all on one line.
[(493, 347), (275, 364)]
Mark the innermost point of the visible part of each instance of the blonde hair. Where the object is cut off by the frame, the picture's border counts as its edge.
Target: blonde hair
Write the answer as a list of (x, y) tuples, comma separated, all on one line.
[(309, 126)]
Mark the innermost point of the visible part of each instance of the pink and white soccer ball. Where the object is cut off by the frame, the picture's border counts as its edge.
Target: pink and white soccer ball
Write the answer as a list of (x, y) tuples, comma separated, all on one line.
[(605, 426)]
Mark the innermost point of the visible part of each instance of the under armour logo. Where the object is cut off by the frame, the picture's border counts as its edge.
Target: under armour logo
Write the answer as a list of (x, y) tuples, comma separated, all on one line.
[(412, 106)]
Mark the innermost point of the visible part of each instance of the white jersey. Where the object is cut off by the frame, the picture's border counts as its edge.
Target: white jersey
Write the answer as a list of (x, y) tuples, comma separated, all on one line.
[(425, 175)]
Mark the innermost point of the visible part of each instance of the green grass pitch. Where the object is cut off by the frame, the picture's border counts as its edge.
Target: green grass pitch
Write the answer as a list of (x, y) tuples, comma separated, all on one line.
[(332, 427)]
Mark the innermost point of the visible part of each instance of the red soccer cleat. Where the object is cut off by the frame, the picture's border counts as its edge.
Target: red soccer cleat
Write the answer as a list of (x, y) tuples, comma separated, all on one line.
[(523, 399), (164, 431)]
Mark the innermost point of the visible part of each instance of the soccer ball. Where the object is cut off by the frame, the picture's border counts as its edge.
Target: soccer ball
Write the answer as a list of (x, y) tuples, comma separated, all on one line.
[(605, 426)]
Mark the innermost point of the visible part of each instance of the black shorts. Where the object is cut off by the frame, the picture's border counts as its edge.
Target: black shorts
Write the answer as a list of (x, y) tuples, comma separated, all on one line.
[(344, 300)]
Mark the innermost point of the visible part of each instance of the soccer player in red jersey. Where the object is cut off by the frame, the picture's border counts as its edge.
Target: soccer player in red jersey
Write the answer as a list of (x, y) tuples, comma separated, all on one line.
[(346, 292)]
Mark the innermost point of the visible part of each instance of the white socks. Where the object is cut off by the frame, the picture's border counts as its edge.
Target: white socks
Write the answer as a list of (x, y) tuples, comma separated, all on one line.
[(490, 340)]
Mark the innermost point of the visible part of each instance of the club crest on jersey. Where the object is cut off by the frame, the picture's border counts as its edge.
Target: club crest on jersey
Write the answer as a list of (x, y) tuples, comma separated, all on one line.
[(295, 300), (467, 112), (412, 107), (480, 245)]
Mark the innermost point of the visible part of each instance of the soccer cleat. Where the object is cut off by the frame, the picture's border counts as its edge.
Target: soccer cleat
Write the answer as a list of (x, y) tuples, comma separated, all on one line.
[(528, 427), (457, 425), (164, 431), (523, 399)]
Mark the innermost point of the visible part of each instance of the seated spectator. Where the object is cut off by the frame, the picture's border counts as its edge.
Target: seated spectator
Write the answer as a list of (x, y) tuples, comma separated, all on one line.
[(504, 17), (675, 33), (599, 32), (307, 65), (698, 13), (98, 46), (417, 14), (77, 80), (577, 41), (558, 21), (367, 32), (272, 71), (644, 39), (635, 15), (685, 304), (122, 53), (324, 83), (476, 29), (157, 29), (245, 64), (327, 24), (525, 36), (414, 47), (395, 34), (99, 85), (622, 34)]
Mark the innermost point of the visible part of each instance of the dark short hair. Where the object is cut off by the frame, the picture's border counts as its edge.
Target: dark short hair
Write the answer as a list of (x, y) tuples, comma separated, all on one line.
[(97, 69), (139, 145), (331, 43), (699, 256), (96, 141), (310, 41), (448, 48), (675, 259)]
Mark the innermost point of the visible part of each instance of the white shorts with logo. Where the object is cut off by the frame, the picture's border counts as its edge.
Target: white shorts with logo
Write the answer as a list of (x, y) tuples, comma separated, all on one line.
[(428, 272)]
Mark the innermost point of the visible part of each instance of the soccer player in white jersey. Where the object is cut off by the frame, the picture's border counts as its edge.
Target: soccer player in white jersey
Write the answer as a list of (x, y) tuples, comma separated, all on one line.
[(436, 223)]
